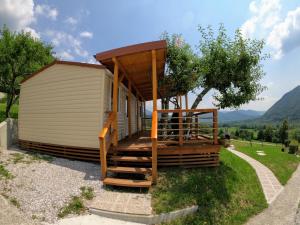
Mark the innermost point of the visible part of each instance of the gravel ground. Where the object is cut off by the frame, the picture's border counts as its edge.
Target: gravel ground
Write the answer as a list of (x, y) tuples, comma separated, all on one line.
[(42, 188)]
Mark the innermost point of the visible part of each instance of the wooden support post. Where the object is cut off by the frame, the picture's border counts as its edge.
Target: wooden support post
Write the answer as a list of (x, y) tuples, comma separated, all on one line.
[(103, 158), (115, 101), (197, 127), (137, 115), (154, 80), (154, 118), (180, 115), (144, 116), (129, 108), (215, 126)]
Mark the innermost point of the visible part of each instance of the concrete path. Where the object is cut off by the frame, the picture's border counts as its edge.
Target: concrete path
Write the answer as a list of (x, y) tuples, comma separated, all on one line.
[(270, 185), (283, 211), (122, 202), (92, 220)]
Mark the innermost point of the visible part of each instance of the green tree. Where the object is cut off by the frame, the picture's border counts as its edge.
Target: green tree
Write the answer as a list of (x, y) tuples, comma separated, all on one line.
[(261, 135), (283, 132), (181, 69), (229, 66), (20, 55), (268, 134)]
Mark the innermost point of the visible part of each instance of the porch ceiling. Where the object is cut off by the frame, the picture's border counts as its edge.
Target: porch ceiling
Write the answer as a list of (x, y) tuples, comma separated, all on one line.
[(135, 62)]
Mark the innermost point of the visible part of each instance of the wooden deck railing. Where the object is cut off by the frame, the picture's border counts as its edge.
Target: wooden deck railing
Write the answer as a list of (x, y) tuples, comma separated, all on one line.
[(105, 139), (182, 124), (154, 146)]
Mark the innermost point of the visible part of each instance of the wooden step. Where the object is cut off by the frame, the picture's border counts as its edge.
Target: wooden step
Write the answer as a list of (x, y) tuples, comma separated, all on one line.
[(132, 158), (126, 182), (121, 169)]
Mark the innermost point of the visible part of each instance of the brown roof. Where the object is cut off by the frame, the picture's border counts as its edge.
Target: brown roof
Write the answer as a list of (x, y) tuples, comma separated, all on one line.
[(136, 62), (64, 63)]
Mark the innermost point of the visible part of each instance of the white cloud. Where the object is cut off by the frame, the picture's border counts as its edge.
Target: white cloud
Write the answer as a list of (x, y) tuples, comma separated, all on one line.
[(285, 35), (86, 34), (264, 15), (18, 15), (71, 20), (32, 32), (65, 55), (282, 33), (46, 10), (65, 40)]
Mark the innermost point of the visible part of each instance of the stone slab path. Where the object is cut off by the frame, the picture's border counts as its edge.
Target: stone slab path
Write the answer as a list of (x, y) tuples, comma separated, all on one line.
[(283, 210), (122, 202), (270, 185)]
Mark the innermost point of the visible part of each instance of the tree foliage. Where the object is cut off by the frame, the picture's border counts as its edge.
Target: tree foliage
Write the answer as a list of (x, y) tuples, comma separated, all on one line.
[(20, 55), (181, 69), (229, 66), (283, 132)]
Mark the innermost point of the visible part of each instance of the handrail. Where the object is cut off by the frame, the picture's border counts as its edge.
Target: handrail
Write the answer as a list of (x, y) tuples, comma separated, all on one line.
[(104, 144), (185, 124), (211, 110), (108, 123), (154, 146)]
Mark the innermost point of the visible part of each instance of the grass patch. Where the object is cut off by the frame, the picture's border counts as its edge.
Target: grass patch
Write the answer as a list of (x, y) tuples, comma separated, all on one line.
[(87, 192), (4, 173), (29, 158), (13, 112), (15, 202), (280, 163), (228, 194), (75, 206)]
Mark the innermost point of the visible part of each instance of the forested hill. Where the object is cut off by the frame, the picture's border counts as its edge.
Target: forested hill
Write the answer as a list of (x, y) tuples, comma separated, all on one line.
[(288, 107)]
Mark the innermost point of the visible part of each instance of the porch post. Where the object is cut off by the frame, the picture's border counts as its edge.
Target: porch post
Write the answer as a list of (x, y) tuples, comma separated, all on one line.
[(129, 108), (144, 115), (115, 101), (137, 114), (215, 126), (154, 140)]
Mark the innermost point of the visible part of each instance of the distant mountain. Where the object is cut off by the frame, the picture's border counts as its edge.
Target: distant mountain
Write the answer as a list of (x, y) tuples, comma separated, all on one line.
[(288, 107), (238, 115)]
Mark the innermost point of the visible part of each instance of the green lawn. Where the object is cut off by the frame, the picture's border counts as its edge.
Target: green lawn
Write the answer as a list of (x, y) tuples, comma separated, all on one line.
[(228, 194), (14, 111), (281, 163)]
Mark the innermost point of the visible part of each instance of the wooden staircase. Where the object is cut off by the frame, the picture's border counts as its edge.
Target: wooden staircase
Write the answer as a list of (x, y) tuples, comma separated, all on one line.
[(129, 167)]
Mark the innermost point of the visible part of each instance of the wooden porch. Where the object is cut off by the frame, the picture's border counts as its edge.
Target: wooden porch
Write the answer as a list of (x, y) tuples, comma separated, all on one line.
[(176, 137)]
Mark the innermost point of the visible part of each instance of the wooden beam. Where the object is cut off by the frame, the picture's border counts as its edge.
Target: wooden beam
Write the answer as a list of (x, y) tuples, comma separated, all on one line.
[(154, 80), (121, 78), (129, 108), (115, 101)]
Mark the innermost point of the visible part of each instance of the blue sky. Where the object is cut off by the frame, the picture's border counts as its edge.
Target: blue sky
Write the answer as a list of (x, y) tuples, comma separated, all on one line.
[(79, 29)]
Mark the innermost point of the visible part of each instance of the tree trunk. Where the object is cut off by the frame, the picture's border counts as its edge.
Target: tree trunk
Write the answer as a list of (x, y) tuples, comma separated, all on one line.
[(200, 97), (9, 102)]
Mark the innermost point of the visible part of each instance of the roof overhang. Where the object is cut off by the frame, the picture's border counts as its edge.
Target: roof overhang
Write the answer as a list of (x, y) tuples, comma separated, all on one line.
[(135, 62)]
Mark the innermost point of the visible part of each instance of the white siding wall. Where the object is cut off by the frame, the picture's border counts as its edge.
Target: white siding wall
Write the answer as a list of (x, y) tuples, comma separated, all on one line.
[(63, 105)]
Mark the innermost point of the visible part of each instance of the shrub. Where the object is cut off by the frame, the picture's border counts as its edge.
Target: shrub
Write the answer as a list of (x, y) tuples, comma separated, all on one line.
[(293, 149)]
